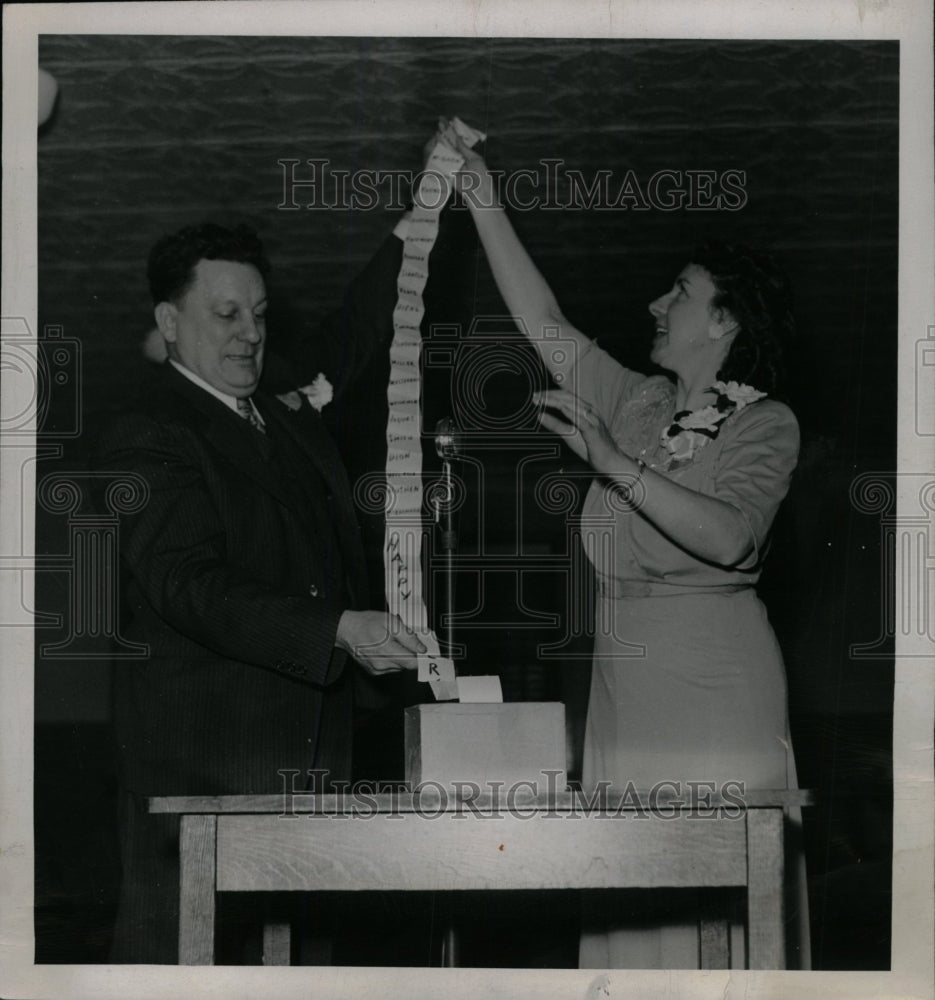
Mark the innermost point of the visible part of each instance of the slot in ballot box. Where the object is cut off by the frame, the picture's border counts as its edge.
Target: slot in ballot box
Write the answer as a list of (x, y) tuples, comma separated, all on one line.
[(494, 746)]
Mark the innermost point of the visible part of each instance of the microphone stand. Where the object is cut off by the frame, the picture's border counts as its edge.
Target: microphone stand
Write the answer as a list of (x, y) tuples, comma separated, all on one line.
[(447, 447)]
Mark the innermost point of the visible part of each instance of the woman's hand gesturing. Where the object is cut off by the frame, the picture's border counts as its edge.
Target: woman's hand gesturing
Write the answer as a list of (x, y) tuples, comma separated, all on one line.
[(582, 429)]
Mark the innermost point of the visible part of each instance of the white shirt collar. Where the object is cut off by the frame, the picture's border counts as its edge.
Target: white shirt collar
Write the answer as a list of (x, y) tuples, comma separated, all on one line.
[(230, 401)]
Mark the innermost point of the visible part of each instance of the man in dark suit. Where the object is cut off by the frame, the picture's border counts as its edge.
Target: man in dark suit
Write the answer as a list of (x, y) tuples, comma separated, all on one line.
[(244, 569)]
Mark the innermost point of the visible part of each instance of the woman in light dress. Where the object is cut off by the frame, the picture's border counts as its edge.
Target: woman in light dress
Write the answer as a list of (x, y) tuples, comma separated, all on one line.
[(688, 682)]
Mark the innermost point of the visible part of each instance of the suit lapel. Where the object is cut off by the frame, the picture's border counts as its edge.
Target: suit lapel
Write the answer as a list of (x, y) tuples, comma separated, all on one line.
[(230, 434), (233, 437), (308, 432), (305, 428)]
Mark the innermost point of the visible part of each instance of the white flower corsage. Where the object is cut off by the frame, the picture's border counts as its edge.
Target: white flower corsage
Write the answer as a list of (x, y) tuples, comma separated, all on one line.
[(693, 429), (705, 419), (319, 393), (738, 393), (683, 445)]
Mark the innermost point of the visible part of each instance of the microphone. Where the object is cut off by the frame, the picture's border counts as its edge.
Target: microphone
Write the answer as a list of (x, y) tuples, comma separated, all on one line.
[(448, 448), (447, 440)]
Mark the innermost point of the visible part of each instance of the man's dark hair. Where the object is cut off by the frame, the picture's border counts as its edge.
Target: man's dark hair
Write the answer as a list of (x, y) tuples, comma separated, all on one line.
[(172, 260)]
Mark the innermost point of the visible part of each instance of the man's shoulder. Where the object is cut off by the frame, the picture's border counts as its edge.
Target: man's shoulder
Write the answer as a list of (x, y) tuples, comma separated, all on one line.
[(161, 410)]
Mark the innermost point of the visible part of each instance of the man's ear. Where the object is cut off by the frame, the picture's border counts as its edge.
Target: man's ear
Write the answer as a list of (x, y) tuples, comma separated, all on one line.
[(167, 320)]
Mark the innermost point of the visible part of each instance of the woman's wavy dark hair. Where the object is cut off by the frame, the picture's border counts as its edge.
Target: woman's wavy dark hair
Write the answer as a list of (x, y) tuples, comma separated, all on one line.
[(756, 292), (172, 260)]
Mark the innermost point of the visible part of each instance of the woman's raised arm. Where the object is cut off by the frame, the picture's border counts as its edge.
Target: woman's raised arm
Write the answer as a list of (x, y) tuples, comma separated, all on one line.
[(524, 290)]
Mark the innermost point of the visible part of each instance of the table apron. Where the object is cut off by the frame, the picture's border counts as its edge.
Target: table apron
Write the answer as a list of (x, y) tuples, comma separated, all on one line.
[(411, 852)]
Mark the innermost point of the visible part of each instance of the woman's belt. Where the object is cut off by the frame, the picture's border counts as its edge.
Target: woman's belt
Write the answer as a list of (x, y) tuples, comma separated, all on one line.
[(613, 590)]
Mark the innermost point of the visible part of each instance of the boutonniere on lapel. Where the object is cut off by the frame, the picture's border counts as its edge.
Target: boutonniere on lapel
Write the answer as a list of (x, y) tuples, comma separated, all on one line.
[(319, 393)]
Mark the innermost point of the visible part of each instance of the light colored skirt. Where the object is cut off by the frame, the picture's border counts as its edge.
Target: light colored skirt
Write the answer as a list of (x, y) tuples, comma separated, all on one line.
[(686, 688)]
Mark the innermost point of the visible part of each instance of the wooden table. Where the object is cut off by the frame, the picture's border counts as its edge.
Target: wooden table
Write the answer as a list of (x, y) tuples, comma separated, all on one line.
[(435, 841)]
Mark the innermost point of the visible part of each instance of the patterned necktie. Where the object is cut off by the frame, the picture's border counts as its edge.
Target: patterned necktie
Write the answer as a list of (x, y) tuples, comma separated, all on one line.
[(246, 409)]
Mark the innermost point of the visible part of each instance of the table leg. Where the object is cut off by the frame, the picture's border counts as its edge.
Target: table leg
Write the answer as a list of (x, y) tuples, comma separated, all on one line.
[(450, 954), (765, 898), (277, 932), (277, 941), (198, 847), (714, 943)]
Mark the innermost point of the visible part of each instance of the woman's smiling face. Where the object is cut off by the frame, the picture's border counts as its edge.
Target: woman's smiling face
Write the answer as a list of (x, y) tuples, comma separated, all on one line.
[(684, 320)]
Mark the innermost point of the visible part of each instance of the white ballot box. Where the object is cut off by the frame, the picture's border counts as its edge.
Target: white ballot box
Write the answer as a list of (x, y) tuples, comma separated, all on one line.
[(495, 746)]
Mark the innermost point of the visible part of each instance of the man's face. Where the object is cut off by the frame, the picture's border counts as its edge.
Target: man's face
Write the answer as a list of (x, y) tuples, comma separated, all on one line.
[(217, 329)]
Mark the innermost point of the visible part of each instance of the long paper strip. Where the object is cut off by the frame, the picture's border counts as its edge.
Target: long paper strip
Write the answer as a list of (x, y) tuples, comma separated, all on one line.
[(402, 550)]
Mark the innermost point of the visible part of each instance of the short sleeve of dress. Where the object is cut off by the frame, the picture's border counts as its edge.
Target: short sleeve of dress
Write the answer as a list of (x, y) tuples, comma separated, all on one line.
[(755, 465), (603, 382)]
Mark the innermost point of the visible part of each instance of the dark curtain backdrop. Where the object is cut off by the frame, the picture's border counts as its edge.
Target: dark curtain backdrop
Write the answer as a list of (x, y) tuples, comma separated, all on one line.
[(151, 133)]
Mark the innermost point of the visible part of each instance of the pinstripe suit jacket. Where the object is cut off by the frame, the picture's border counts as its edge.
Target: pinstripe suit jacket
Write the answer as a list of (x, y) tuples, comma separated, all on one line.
[(236, 573)]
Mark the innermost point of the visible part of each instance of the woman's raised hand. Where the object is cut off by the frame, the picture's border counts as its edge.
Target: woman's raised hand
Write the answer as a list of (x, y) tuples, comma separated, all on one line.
[(472, 180)]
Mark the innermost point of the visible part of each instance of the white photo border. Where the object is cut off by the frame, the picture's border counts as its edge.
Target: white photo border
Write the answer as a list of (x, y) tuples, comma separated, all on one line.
[(909, 22)]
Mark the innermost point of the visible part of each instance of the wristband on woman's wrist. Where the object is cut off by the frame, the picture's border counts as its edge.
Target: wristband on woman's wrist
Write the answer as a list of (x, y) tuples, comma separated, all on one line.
[(631, 485)]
